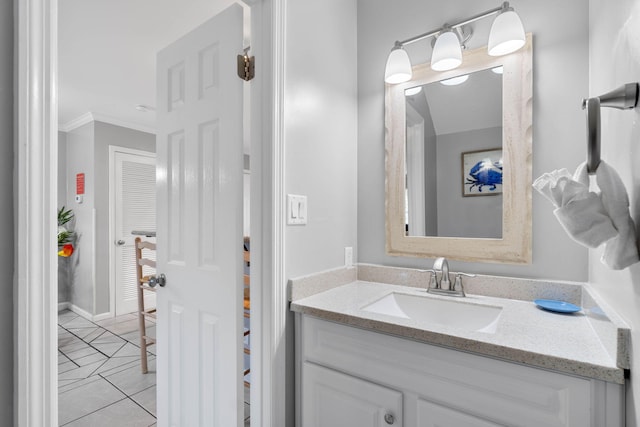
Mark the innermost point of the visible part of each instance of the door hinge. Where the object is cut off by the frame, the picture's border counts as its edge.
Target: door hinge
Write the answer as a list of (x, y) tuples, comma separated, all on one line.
[(246, 66)]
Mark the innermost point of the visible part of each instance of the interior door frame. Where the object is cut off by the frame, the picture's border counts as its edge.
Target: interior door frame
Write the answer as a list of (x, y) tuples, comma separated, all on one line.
[(113, 149), (35, 197)]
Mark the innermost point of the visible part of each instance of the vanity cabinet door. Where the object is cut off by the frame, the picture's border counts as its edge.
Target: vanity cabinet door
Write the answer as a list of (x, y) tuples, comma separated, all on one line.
[(430, 414), (330, 398)]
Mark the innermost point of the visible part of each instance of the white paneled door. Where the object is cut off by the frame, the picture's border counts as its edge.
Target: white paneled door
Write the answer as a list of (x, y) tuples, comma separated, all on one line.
[(199, 236), (133, 176)]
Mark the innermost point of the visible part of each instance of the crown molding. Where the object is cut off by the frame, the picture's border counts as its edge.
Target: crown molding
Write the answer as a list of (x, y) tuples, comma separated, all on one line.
[(97, 117), (76, 123)]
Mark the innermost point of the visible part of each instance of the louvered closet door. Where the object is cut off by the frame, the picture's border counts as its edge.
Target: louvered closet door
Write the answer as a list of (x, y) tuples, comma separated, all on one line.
[(135, 209)]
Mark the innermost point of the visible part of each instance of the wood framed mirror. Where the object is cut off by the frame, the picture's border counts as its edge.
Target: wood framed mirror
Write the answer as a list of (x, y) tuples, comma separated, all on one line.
[(445, 143)]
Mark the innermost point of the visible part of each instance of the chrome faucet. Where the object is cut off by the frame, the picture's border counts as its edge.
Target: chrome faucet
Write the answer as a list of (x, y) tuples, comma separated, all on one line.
[(443, 286), (441, 264)]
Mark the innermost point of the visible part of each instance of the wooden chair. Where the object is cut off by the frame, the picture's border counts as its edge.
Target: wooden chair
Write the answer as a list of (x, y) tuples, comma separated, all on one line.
[(143, 286), (247, 308)]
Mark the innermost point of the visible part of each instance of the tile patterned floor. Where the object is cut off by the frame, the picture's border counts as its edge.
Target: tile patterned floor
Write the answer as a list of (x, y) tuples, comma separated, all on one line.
[(99, 378)]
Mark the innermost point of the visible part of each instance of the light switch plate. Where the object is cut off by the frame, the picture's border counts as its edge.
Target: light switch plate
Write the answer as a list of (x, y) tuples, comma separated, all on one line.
[(348, 256), (296, 209)]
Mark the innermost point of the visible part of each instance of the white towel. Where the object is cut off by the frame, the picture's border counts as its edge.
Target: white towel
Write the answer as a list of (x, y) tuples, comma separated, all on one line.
[(621, 251), (560, 188), (586, 221), (581, 213)]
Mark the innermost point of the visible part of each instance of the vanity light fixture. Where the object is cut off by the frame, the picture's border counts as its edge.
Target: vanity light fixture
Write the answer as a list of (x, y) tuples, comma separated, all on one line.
[(507, 33), (455, 80), (447, 52), (398, 68), (413, 91), (506, 36)]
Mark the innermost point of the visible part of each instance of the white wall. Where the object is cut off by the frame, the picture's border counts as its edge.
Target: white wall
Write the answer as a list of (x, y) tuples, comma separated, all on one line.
[(321, 131), (560, 81), (430, 175), (614, 59), (6, 212)]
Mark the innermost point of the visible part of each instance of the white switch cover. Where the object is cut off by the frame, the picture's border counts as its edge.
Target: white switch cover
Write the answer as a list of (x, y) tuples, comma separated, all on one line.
[(296, 209), (348, 256)]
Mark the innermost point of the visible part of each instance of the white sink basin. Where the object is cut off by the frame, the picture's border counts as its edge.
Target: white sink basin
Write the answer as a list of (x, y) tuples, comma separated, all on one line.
[(454, 313)]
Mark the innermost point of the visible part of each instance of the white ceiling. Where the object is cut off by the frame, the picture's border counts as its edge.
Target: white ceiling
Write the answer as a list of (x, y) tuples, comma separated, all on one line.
[(474, 104), (107, 51)]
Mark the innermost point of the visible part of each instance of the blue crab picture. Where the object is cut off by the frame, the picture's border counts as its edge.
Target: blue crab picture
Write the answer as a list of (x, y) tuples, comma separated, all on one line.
[(485, 176)]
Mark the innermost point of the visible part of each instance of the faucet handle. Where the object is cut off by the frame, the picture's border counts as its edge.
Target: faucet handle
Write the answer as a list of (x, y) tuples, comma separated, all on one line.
[(465, 274), (457, 284), (432, 280)]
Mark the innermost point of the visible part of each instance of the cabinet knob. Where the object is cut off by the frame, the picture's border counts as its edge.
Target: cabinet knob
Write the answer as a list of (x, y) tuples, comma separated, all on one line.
[(389, 418)]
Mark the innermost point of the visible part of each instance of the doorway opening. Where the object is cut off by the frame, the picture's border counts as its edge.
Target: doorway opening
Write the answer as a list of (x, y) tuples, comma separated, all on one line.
[(36, 166), (97, 344)]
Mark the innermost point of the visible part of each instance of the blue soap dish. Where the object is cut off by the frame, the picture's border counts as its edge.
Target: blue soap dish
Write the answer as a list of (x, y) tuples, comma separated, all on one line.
[(557, 306)]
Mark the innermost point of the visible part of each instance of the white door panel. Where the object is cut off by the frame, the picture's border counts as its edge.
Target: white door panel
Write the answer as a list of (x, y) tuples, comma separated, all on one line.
[(199, 175), (134, 177)]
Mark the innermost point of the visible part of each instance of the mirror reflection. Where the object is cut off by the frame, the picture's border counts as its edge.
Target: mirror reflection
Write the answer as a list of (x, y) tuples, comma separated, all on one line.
[(453, 164)]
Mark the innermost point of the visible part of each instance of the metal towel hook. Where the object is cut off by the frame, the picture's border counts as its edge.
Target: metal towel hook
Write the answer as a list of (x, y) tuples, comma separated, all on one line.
[(623, 98)]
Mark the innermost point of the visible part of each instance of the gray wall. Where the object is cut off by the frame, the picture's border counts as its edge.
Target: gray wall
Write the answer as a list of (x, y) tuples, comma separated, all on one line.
[(560, 56), (63, 263), (87, 150), (614, 59), (105, 135), (321, 131), (458, 216), (6, 211), (79, 158)]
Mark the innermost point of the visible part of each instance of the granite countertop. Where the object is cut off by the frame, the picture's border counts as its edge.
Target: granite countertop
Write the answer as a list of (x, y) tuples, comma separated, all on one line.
[(566, 343)]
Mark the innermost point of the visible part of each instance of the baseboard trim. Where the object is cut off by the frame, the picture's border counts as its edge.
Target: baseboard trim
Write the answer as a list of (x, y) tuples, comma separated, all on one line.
[(84, 313), (102, 316), (80, 312), (64, 306)]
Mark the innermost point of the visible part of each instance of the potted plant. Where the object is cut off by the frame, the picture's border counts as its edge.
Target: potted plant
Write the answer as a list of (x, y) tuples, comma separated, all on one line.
[(65, 235)]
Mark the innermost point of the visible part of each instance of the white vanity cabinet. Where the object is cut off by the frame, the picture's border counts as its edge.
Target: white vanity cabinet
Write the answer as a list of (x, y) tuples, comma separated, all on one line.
[(335, 399), (348, 376)]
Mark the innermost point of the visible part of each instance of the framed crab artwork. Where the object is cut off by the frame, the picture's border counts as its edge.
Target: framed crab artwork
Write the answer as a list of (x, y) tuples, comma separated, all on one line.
[(482, 172)]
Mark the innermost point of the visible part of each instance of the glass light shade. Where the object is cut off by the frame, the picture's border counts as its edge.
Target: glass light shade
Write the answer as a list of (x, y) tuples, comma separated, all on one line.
[(398, 69), (506, 35), (455, 80), (447, 53)]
